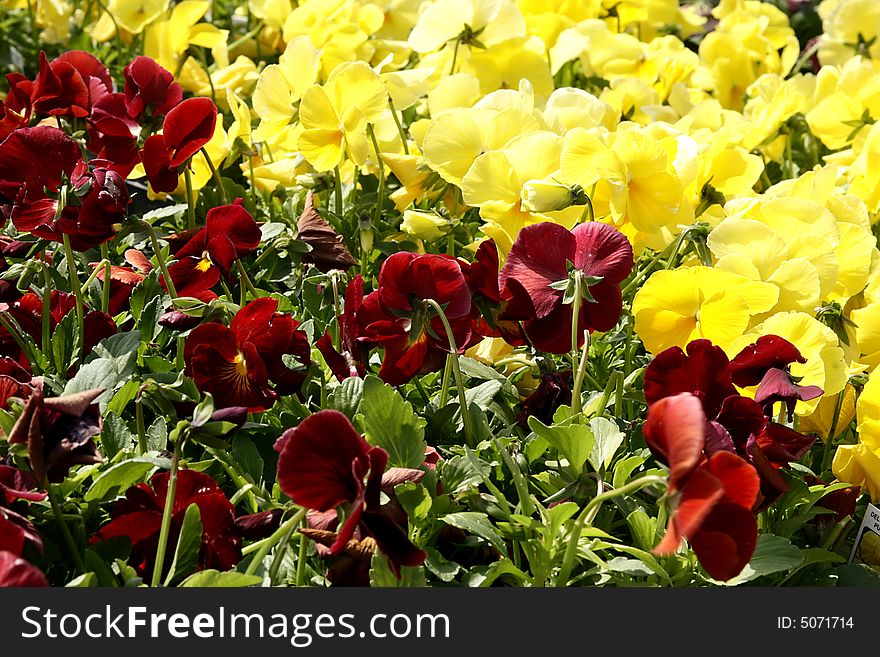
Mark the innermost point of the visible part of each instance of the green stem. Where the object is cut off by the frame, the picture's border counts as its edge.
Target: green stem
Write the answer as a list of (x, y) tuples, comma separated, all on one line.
[(218, 180), (245, 280), (400, 129), (380, 194), (47, 305), (338, 191), (266, 545), (160, 259), (105, 290), (580, 372), (459, 379), (588, 514), (167, 513), (829, 441), (444, 383), (301, 559), (190, 201), (77, 293), (139, 420), (52, 489), (93, 276)]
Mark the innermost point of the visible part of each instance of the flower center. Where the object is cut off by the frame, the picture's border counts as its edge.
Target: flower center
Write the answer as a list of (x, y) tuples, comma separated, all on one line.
[(240, 364), (205, 263)]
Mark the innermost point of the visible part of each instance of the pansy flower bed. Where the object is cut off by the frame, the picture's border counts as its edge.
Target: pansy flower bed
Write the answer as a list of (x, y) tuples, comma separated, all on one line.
[(438, 292)]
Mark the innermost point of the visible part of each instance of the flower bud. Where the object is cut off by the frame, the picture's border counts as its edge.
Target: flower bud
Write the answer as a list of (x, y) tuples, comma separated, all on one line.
[(424, 225), (549, 196)]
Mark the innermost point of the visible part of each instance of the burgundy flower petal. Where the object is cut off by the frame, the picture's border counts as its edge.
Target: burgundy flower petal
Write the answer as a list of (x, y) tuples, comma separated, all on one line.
[(726, 540), (235, 224), (703, 371), (537, 259), (602, 250), (783, 445), (156, 157), (315, 465), (34, 158), (769, 351), (702, 493), (188, 127), (16, 572), (742, 417), (675, 431), (149, 87)]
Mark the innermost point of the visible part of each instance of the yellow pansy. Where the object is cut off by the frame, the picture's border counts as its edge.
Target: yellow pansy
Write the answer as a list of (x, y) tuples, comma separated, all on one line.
[(338, 28), (488, 21), (820, 421), (676, 306), (849, 28), (280, 86), (753, 249), (335, 116), (644, 188), (850, 103), (134, 15), (167, 40), (239, 77)]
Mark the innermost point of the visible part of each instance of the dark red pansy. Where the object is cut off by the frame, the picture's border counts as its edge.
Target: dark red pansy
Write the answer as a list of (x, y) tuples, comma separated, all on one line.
[(552, 392), (15, 381), (542, 258), (94, 74), (230, 233), (778, 386), (139, 518), (398, 317), (783, 445), (324, 464), (715, 495), (123, 280), (187, 128), (16, 572), (237, 364), (18, 532), (149, 88), (113, 134), (58, 432), (15, 109), (703, 371), (59, 90)]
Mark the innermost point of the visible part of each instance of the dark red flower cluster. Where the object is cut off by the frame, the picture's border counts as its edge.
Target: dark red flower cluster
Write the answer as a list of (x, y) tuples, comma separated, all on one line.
[(28, 312), (326, 466), (736, 423), (236, 364)]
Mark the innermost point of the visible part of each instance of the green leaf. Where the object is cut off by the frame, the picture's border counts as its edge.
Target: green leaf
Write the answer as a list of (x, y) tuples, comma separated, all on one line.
[(124, 396), (186, 555), (484, 576), (157, 435), (84, 581), (477, 524), (216, 579), (574, 441), (63, 343), (440, 567), (483, 394), (246, 454), (117, 364), (415, 499), (115, 435), (382, 577), (120, 345), (643, 528), (608, 440), (390, 422), (773, 554), (346, 397), (116, 479)]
